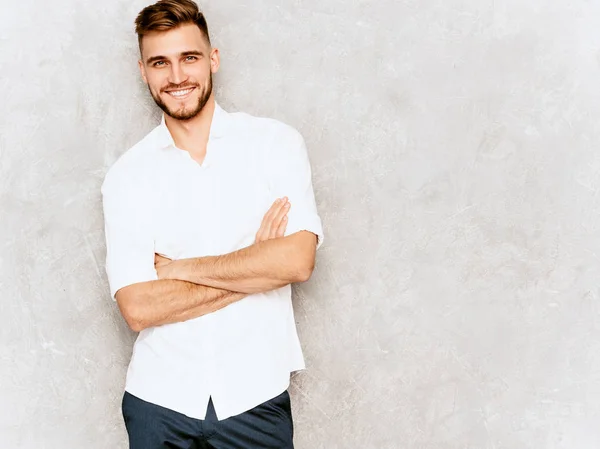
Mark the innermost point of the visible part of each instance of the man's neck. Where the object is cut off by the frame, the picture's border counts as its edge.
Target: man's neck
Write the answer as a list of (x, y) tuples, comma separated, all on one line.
[(192, 135)]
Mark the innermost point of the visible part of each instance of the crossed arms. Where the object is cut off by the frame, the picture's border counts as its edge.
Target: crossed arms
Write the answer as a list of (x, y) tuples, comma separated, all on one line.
[(151, 290), (189, 288)]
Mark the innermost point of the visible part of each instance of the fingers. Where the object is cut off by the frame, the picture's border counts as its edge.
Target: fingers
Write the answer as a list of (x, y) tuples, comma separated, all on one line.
[(265, 227), (281, 229), (272, 214), (160, 260), (271, 225), (280, 219)]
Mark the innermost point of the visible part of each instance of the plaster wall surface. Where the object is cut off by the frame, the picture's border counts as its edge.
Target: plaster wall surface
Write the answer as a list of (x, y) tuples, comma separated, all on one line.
[(454, 147)]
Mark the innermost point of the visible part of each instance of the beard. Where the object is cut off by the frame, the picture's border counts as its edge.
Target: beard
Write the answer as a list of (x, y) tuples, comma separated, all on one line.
[(185, 114)]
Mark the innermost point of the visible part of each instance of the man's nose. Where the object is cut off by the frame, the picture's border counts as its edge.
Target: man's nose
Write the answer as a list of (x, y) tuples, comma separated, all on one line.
[(177, 75)]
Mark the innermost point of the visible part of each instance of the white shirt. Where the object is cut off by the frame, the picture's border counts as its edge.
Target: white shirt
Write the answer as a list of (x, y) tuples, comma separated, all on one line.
[(158, 199)]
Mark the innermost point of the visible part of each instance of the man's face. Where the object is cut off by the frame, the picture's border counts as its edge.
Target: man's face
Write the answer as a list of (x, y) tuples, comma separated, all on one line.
[(177, 65)]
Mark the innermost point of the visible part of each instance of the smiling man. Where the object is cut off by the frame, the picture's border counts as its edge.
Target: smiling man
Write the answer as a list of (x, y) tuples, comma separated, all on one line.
[(209, 219)]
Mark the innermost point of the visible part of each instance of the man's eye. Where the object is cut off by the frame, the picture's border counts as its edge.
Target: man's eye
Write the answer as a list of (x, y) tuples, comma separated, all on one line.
[(193, 58), (158, 62)]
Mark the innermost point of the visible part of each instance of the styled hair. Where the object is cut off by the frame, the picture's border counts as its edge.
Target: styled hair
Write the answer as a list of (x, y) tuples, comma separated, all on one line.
[(168, 14)]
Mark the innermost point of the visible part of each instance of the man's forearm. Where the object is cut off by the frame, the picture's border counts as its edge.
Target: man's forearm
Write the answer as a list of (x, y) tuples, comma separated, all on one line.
[(257, 268), (167, 301)]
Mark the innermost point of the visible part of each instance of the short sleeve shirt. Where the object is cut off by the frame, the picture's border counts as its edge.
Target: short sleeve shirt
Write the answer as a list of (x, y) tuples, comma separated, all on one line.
[(157, 199)]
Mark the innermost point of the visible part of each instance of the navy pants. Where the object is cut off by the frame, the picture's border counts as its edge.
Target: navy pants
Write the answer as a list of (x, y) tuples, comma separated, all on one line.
[(150, 426)]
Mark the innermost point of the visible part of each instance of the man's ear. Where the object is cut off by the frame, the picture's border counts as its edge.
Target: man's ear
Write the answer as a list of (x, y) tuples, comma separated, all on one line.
[(142, 71), (214, 60)]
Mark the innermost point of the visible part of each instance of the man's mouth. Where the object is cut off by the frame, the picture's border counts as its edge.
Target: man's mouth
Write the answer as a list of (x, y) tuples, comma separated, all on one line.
[(181, 93)]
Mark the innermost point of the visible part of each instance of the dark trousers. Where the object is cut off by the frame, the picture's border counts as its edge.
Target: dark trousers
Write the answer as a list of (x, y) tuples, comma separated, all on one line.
[(266, 426)]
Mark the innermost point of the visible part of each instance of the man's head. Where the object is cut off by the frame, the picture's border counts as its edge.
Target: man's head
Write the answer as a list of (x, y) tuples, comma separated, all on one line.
[(176, 56)]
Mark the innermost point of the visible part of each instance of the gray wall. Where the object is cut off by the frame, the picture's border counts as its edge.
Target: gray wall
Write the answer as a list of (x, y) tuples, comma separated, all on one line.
[(455, 159)]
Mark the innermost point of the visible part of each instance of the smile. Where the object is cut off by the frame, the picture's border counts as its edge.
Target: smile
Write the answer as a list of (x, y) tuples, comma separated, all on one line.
[(179, 94)]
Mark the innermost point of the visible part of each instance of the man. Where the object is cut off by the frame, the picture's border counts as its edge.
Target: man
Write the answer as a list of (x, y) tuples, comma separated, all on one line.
[(200, 256)]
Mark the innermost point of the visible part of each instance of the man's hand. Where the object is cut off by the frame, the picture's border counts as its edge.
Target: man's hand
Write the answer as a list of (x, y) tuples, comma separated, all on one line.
[(274, 222), (163, 266), (273, 226)]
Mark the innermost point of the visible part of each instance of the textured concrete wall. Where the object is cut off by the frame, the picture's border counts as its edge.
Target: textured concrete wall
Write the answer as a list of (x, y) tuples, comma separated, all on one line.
[(455, 158)]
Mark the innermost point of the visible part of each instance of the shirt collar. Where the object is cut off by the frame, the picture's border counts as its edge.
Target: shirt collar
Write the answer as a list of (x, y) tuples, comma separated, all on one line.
[(218, 127)]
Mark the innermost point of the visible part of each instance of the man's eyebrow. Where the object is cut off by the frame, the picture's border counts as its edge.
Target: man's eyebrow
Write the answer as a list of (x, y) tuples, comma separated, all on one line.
[(192, 53), (152, 59)]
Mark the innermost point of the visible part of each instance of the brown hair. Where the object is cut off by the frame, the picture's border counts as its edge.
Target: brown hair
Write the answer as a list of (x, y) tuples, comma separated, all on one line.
[(168, 14)]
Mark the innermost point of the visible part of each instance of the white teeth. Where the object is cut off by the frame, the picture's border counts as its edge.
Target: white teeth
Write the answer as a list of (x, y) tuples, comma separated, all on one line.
[(180, 93)]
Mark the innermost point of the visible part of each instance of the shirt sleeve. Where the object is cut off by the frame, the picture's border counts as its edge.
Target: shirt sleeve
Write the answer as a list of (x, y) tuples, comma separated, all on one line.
[(129, 241), (290, 175)]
